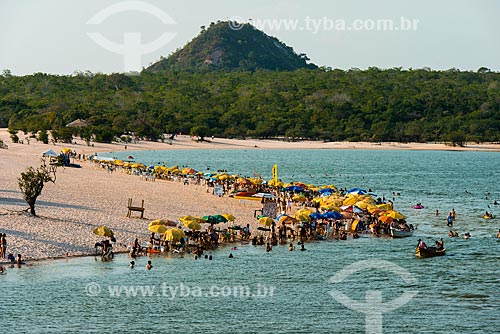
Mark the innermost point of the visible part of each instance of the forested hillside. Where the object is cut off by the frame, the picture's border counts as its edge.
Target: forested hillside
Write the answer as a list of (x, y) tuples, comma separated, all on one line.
[(355, 105)]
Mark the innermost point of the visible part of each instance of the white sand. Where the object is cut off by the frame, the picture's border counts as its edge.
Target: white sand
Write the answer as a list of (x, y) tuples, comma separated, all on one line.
[(82, 199)]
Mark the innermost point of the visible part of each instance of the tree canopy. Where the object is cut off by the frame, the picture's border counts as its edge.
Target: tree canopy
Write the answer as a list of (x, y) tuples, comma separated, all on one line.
[(356, 105)]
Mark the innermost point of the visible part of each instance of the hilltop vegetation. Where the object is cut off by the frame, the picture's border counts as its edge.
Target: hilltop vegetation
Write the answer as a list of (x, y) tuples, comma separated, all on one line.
[(229, 46), (373, 105)]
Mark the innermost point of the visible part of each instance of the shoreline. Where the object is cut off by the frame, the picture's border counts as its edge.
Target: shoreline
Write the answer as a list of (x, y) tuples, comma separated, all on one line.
[(186, 142), (84, 198)]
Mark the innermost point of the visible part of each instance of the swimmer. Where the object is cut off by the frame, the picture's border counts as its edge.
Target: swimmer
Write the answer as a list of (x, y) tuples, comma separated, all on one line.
[(149, 266), (132, 264)]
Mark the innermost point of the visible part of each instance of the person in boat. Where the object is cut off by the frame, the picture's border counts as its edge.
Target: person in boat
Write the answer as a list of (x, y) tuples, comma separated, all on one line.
[(440, 244), (421, 244), (153, 239), (488, 214)]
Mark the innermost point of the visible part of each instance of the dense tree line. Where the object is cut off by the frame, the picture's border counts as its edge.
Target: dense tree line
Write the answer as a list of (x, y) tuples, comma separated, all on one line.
[(355, 105)]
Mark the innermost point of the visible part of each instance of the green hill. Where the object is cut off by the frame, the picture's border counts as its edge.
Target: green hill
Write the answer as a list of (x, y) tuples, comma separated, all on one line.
[(228, 46)]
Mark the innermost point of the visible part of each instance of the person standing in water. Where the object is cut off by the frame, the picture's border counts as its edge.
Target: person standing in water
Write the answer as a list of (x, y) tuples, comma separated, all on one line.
[(449, 219)]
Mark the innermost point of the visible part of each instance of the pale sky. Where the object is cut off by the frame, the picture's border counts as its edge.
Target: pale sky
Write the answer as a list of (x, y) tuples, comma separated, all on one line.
[(52, 36)]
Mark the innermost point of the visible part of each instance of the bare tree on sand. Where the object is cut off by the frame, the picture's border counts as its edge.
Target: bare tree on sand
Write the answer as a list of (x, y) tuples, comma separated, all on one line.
[(32, 182)]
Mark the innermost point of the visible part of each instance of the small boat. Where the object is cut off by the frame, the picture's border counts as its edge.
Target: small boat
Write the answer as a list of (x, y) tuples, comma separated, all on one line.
[(488, 216), (253, 196), (418, 206), (153, 250), (395, 233), (429, 252)]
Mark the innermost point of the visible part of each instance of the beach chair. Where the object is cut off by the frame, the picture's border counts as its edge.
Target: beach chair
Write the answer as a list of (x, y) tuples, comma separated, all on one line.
[(135, 208)]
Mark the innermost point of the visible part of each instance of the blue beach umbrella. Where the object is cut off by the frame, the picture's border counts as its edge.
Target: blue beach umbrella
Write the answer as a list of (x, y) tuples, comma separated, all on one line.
[(358, 191), (316, 215), (294, 188), (332, 214)]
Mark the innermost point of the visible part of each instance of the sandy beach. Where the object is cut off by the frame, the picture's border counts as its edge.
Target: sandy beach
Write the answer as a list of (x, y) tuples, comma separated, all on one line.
[(84, 198)]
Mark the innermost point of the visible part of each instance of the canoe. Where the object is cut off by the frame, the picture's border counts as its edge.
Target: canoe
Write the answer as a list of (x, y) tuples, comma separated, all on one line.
[(429, 252), (395, 233), (153, 251), (253, 196), (247, 198)]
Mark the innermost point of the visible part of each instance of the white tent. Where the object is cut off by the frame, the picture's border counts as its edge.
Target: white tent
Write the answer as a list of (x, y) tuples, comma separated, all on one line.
[(49, 153)]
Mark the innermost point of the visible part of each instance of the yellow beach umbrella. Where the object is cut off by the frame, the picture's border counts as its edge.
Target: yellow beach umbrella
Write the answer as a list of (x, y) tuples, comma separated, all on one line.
[(385, 206), (160, 229), (302, 217), (163, 222), (266, 221), (303, 211), (229, 217), (285, 219), (65, 150), (394, 214), (192, 224), (362, 205), (174, 234), (375, 211), (189, 218), (299, 198), (103, 231)]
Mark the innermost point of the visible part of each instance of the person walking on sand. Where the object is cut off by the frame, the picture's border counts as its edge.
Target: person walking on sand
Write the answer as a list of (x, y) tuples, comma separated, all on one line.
[(3, 245)]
